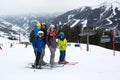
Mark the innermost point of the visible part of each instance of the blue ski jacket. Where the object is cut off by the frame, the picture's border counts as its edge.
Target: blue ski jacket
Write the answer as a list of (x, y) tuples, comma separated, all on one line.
[(38, 44), (36, 29)]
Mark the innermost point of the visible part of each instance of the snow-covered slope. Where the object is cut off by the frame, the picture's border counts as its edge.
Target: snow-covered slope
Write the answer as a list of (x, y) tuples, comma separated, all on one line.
[(97, 64)]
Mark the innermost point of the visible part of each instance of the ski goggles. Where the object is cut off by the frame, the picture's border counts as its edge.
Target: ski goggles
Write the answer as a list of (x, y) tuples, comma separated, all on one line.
[(40, 34)]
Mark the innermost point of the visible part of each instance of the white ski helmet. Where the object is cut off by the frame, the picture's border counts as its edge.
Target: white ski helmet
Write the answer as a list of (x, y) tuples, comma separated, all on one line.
[(40, 33)]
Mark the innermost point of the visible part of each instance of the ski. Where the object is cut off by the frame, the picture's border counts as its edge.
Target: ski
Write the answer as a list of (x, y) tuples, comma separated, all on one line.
[(47, 66), (41, 68), (69, 63), (59, 65)]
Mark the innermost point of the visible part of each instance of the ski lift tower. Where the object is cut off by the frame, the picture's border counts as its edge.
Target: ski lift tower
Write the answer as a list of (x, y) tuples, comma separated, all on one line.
[(115, 38), (87, 33)]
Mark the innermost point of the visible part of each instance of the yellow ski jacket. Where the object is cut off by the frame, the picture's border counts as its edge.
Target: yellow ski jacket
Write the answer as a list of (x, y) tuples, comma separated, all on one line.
[(62, 44)]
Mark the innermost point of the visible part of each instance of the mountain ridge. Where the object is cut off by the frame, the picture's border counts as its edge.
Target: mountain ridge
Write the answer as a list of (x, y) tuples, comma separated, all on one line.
[(105, 15)]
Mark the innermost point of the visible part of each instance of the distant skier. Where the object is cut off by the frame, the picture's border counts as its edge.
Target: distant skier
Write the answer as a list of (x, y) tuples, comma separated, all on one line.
[(0, 48), (11, 45), (62, 44), (38, 44), (26, 44), (51, 42)]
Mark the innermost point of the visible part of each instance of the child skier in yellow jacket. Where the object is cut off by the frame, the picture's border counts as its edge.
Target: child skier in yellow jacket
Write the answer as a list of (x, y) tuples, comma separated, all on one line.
[(62, 44)]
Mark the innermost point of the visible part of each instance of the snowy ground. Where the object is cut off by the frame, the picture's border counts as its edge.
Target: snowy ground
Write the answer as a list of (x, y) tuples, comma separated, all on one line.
[(97, 64)]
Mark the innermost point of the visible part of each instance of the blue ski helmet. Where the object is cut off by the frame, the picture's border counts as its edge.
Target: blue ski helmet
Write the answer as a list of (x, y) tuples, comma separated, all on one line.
[(61, 34)]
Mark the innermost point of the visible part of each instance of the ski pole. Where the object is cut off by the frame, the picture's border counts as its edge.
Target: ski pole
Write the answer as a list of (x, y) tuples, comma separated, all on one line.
[(46, 58)]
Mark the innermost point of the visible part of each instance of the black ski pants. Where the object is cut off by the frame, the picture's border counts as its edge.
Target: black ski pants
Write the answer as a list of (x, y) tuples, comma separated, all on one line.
[(38, 54)]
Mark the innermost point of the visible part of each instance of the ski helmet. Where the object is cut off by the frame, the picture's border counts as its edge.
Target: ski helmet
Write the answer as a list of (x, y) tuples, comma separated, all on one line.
[(61, 34), (43, 23), (38, 24), (40, 33)]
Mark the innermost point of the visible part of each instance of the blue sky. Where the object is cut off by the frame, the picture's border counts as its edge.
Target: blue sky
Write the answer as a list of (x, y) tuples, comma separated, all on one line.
[(41, 6)]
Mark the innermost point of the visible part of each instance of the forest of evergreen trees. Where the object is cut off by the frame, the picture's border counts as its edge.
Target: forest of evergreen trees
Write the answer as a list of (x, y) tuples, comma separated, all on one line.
[(72, 35)]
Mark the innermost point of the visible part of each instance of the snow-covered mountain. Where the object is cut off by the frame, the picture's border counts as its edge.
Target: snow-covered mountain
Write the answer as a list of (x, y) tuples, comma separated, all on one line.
[(103, 15), (8, 30), (27, 21), (21, 24)]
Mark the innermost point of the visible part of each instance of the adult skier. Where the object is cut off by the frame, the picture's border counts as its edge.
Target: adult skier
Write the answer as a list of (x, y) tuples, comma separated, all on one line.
[(51, 42), (44, 29), (37, 28), (34, 32)]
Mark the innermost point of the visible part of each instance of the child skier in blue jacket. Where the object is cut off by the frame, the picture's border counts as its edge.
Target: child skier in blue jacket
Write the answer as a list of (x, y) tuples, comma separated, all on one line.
[(38, 44)]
